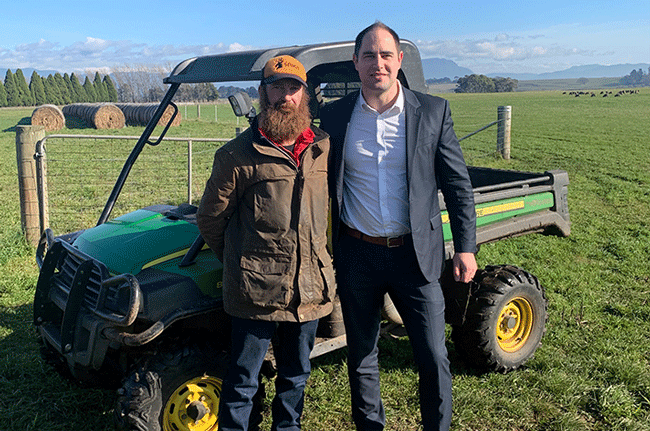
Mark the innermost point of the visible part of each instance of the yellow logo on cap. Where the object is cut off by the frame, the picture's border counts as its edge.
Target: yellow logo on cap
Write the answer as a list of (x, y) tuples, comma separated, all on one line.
[(285, 65)]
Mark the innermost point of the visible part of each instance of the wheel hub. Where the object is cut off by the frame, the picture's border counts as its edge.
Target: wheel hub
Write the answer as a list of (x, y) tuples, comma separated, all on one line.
[(197, 410), (515, 324), (194, 406)]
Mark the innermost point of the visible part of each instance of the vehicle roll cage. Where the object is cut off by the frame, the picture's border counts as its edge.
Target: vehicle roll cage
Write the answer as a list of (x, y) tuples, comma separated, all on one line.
[(324, 63)]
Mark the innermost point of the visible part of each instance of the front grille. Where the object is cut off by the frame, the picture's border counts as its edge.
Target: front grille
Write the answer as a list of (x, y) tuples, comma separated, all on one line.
[(68, 267), (71, 280), (72, 286)]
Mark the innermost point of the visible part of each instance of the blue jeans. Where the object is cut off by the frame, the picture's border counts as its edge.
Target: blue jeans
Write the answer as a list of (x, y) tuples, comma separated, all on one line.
[(365, 272), (250, 341)]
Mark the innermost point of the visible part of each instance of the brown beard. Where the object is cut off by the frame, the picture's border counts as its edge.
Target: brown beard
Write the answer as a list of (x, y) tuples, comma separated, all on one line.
[(283, 122)]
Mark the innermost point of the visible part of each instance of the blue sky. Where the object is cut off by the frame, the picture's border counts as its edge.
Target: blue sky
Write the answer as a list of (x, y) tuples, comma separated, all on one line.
[(486, 36)]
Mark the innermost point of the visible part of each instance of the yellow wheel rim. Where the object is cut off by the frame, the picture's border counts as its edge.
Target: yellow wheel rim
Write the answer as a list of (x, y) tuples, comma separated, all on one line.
[(200, 394), (515, 324)]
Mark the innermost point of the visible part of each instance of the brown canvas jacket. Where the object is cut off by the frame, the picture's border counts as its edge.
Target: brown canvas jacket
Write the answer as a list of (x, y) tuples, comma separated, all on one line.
[(266, 219)]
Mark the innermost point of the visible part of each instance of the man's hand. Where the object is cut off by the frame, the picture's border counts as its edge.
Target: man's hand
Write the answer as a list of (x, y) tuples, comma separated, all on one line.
[(464, 267)]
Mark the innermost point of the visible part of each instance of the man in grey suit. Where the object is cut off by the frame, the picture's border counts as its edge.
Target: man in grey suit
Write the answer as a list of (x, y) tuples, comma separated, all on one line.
[(391, 150)]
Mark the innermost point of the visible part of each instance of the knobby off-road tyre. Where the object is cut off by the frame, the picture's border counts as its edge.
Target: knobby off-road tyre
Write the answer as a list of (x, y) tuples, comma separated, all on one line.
[(505, 320), (178, 390)]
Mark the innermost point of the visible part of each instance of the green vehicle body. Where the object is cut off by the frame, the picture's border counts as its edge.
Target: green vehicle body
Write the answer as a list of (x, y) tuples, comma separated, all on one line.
[(131, 287)]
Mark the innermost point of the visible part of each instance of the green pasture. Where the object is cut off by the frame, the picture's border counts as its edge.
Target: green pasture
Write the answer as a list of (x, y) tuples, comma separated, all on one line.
[(592, 371)]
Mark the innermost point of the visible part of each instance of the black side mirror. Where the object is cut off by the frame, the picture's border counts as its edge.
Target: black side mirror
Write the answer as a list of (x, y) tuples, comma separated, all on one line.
[(242, 105)]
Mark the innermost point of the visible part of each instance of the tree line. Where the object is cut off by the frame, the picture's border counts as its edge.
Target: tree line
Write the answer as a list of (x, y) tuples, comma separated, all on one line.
[(56, 89), (637, 78), (484, 84), (129, 84)]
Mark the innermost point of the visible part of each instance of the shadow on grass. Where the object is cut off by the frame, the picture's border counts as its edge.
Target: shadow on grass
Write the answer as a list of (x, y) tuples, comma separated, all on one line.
[(76, 123), (34, 395), (40, 398), (70, 123), (25, 121)]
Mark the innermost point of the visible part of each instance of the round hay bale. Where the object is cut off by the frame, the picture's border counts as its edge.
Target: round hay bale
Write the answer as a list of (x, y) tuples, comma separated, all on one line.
[(139, 114), (49, 116), (99, 115)]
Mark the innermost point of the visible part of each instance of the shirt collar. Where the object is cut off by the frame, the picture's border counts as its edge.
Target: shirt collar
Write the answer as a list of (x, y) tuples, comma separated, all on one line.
[(397, 107)]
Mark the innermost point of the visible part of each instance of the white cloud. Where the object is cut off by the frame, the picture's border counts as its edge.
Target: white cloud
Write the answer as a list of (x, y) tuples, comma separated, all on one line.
[(237, 47), (502, 47), (536, 50), (100, 54)]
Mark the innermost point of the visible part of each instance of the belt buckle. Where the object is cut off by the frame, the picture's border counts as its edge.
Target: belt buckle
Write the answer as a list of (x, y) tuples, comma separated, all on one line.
[(396, 239)]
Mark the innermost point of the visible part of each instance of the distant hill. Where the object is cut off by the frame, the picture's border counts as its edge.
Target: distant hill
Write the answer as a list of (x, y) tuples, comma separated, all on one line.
[(437, 68), (575, 72)]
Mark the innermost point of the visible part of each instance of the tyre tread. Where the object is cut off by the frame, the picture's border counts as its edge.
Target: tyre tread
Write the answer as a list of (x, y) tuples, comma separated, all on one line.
[(473, 340)]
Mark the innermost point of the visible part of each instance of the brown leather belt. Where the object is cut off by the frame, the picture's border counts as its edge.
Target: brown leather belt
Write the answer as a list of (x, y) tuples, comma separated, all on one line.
[(394, 241)]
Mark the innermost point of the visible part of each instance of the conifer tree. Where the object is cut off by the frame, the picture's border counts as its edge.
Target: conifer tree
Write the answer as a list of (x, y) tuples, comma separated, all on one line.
[(78, 93), (65, 86), (91, 94), (52, 91), (3, 95), (100, 88), (110, 89), (37, 89), (26, 98), (13, 96)]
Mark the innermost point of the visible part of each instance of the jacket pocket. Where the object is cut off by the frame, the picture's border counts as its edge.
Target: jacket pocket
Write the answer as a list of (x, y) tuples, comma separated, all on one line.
[(266, 280), (327, 273)]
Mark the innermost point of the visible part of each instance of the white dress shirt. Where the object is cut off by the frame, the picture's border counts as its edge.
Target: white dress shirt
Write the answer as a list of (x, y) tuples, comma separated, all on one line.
[(375, 187)]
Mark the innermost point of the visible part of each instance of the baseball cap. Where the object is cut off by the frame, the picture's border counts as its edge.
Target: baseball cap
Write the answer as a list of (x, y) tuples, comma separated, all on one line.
[(284, 66)]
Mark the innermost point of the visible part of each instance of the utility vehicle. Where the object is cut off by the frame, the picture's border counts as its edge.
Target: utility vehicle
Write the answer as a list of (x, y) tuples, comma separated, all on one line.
[(135, 302)]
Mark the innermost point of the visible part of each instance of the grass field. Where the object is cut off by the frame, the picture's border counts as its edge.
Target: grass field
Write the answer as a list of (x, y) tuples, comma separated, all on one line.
[(592, 371)]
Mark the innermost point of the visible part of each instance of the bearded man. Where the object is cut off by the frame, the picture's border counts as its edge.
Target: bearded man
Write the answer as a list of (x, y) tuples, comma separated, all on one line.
[(264, 213)]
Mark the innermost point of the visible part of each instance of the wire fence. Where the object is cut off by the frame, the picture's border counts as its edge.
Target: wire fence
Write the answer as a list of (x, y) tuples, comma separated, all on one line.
[(480, 143), (482, 140), (79, 172)]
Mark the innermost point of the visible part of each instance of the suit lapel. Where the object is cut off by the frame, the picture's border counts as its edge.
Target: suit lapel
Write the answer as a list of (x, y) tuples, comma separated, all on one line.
[(345, 114), (411, 105)]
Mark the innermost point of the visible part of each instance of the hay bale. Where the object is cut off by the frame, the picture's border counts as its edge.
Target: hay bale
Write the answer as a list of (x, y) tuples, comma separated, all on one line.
[(139, 114), (99, 115), (49, 116)]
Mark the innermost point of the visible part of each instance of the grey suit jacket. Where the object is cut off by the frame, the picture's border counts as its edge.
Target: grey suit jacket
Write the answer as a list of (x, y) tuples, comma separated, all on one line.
[(434, 162)]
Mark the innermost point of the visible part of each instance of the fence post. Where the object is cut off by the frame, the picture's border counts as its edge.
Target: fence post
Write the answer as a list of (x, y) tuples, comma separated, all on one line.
[(41, 185), (26, 139), (504, 117), (189, 171)]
